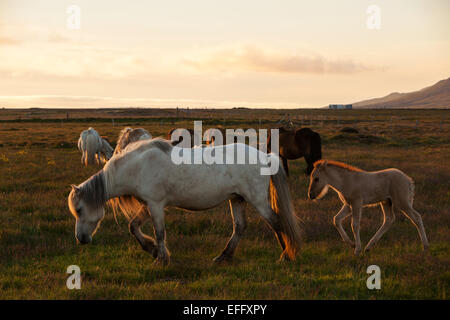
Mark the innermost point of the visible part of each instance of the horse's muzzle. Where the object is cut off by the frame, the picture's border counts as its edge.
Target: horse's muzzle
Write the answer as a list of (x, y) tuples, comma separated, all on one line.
[(84, 239)]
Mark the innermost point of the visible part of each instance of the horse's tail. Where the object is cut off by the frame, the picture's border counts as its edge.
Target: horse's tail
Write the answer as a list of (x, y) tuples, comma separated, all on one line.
[(90, 149), (281, 202), (81, 148)]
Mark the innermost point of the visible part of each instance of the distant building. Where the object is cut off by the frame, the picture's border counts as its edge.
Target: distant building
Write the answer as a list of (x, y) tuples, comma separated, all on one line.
[(340, 106)]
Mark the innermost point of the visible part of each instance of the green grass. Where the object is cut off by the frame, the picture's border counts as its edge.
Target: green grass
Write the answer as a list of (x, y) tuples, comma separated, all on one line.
[(39, 161)]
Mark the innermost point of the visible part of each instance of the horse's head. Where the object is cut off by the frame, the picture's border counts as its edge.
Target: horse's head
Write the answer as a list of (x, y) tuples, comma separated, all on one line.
[(318, 184), (88, 217), (106, 148)]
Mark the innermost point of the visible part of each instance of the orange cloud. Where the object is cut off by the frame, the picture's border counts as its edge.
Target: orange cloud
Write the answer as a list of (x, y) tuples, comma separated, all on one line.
[(257, 60), (8, 41)]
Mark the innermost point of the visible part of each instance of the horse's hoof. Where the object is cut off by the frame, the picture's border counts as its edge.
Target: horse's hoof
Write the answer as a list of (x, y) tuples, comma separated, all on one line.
[(351, 243), (154, 253), (160, 262), (223, 258), (425, 251), (284, 257), (151, 250)]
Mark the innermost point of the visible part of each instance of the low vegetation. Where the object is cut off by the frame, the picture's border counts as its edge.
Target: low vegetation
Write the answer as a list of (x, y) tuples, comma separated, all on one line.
[(39, 160)]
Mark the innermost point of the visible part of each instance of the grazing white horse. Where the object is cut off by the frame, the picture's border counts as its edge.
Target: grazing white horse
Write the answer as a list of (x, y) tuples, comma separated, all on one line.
[(129, 135), (390, 188), (145, 171), (94, 149), (106, 151)]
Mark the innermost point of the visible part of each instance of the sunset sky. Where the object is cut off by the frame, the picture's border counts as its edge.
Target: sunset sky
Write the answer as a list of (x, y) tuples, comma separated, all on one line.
[(214, 53)]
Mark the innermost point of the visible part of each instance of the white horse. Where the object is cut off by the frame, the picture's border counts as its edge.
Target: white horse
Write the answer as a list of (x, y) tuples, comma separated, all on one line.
[(129, 135), (94, 149), (357, 188), (106, 151), (145, 171)]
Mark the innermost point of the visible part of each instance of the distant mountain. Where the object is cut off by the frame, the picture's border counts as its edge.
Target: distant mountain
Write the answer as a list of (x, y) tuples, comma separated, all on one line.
[(435, 96)]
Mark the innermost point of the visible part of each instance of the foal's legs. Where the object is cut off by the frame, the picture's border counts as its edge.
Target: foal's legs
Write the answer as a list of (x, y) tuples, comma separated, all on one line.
[(237, 208), (157, 213), (416, 219), (337, 221), (389, 218), (147, 243), (356, 220)]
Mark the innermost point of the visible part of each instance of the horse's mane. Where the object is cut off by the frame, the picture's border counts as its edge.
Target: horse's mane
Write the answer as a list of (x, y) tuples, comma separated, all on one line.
[(338, 164), (93, 190), (121, 140), (122, 132), (142, 145), (129, 135), (159, 143)]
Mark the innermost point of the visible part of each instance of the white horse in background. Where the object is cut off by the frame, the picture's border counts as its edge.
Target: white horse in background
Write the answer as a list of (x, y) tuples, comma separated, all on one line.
[(94, 149), (129, 135), (390, 188), (106, 151), (145, 171)]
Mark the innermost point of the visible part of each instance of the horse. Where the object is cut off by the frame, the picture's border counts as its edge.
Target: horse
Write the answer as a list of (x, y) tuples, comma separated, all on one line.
[(129, 135), (91, 145), (106, 150), (297, 143), (146, 171), (356, 188)]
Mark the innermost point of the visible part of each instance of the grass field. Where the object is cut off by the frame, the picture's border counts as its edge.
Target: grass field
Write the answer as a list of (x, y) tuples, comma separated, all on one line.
[(39, 160)]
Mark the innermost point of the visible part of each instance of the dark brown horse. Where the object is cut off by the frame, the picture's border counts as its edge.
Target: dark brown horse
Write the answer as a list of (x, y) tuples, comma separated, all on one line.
[(297, 143)]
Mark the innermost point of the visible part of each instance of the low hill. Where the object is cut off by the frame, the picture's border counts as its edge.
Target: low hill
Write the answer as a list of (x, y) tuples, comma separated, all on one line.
[(435, 96)]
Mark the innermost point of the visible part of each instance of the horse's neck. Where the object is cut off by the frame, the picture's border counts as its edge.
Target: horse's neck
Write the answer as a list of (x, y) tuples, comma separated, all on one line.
[(116, 181), (336, 179)]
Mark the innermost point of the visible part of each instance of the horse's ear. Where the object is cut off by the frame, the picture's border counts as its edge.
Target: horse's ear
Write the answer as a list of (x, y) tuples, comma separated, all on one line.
[(74, 187)]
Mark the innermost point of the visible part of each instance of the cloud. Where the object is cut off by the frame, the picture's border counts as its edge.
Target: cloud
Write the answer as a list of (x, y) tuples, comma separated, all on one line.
[(37, 51), (257, 60), (8, 41), (73, 62), (24, 34)]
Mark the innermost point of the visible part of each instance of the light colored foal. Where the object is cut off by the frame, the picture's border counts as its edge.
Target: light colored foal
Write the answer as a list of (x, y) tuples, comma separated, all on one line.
[(357, 188)]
